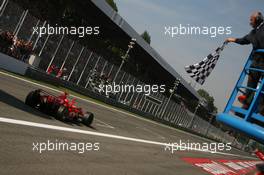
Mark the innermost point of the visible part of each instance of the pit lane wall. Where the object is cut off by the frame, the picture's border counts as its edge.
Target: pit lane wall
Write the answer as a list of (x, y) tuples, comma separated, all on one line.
[(12, 64)]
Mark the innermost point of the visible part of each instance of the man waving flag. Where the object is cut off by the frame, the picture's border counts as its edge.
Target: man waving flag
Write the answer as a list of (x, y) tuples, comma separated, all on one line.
[(201, 70)]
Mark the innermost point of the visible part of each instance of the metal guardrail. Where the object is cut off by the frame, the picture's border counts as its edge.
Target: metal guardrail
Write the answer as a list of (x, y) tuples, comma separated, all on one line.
[(79, 64)]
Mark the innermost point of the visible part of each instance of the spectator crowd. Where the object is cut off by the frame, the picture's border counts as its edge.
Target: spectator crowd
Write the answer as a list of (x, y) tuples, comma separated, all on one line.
[(14, 47)]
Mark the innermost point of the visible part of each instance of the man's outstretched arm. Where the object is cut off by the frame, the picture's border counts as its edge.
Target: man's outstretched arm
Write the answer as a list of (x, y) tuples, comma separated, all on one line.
[(244, 40)]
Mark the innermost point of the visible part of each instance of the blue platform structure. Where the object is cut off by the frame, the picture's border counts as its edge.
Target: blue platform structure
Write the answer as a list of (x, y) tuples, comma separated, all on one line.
[(248, 121)]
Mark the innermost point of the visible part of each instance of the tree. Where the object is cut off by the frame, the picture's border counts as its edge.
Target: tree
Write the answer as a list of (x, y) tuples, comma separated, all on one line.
[(112, 4), (145, 35), (210, 100)]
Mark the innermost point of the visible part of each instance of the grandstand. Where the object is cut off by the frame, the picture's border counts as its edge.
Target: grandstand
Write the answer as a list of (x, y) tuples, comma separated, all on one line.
[(145, 63)]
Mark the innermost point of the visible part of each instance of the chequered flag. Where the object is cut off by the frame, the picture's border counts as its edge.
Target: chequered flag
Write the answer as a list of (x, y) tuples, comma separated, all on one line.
[(200, 71)]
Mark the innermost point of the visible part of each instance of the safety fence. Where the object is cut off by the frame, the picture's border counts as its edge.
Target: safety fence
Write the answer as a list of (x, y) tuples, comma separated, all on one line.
[(75, 65)]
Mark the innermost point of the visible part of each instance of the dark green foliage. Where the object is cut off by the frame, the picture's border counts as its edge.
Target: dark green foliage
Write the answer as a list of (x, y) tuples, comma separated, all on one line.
[(145, 35), (112, 4), (210, 100)]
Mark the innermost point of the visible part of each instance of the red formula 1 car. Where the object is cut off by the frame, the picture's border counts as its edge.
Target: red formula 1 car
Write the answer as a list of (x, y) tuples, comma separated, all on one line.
[(58, 106)]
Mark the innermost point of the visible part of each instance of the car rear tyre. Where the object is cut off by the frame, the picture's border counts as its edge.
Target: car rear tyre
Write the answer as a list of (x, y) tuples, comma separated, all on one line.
[(33, 98), (44, 106), (88, 118)]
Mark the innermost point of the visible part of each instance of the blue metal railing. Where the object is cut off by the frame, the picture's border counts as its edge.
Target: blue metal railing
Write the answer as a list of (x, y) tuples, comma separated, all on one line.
[(249, 120)]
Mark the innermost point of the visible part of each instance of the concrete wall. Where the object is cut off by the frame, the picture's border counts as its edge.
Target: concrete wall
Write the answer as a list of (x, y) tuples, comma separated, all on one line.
[(13, 65)]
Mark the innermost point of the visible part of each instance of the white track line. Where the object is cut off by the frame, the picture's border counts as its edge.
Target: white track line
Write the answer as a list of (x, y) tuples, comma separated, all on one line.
[(73, 130), (110, 108), (104, 124)]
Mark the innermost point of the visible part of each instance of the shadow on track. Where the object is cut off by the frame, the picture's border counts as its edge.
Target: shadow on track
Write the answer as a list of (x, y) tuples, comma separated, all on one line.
[(17, 103), (78, 124)]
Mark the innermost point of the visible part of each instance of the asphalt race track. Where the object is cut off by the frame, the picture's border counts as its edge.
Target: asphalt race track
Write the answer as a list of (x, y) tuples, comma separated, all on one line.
[(128, 144)]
